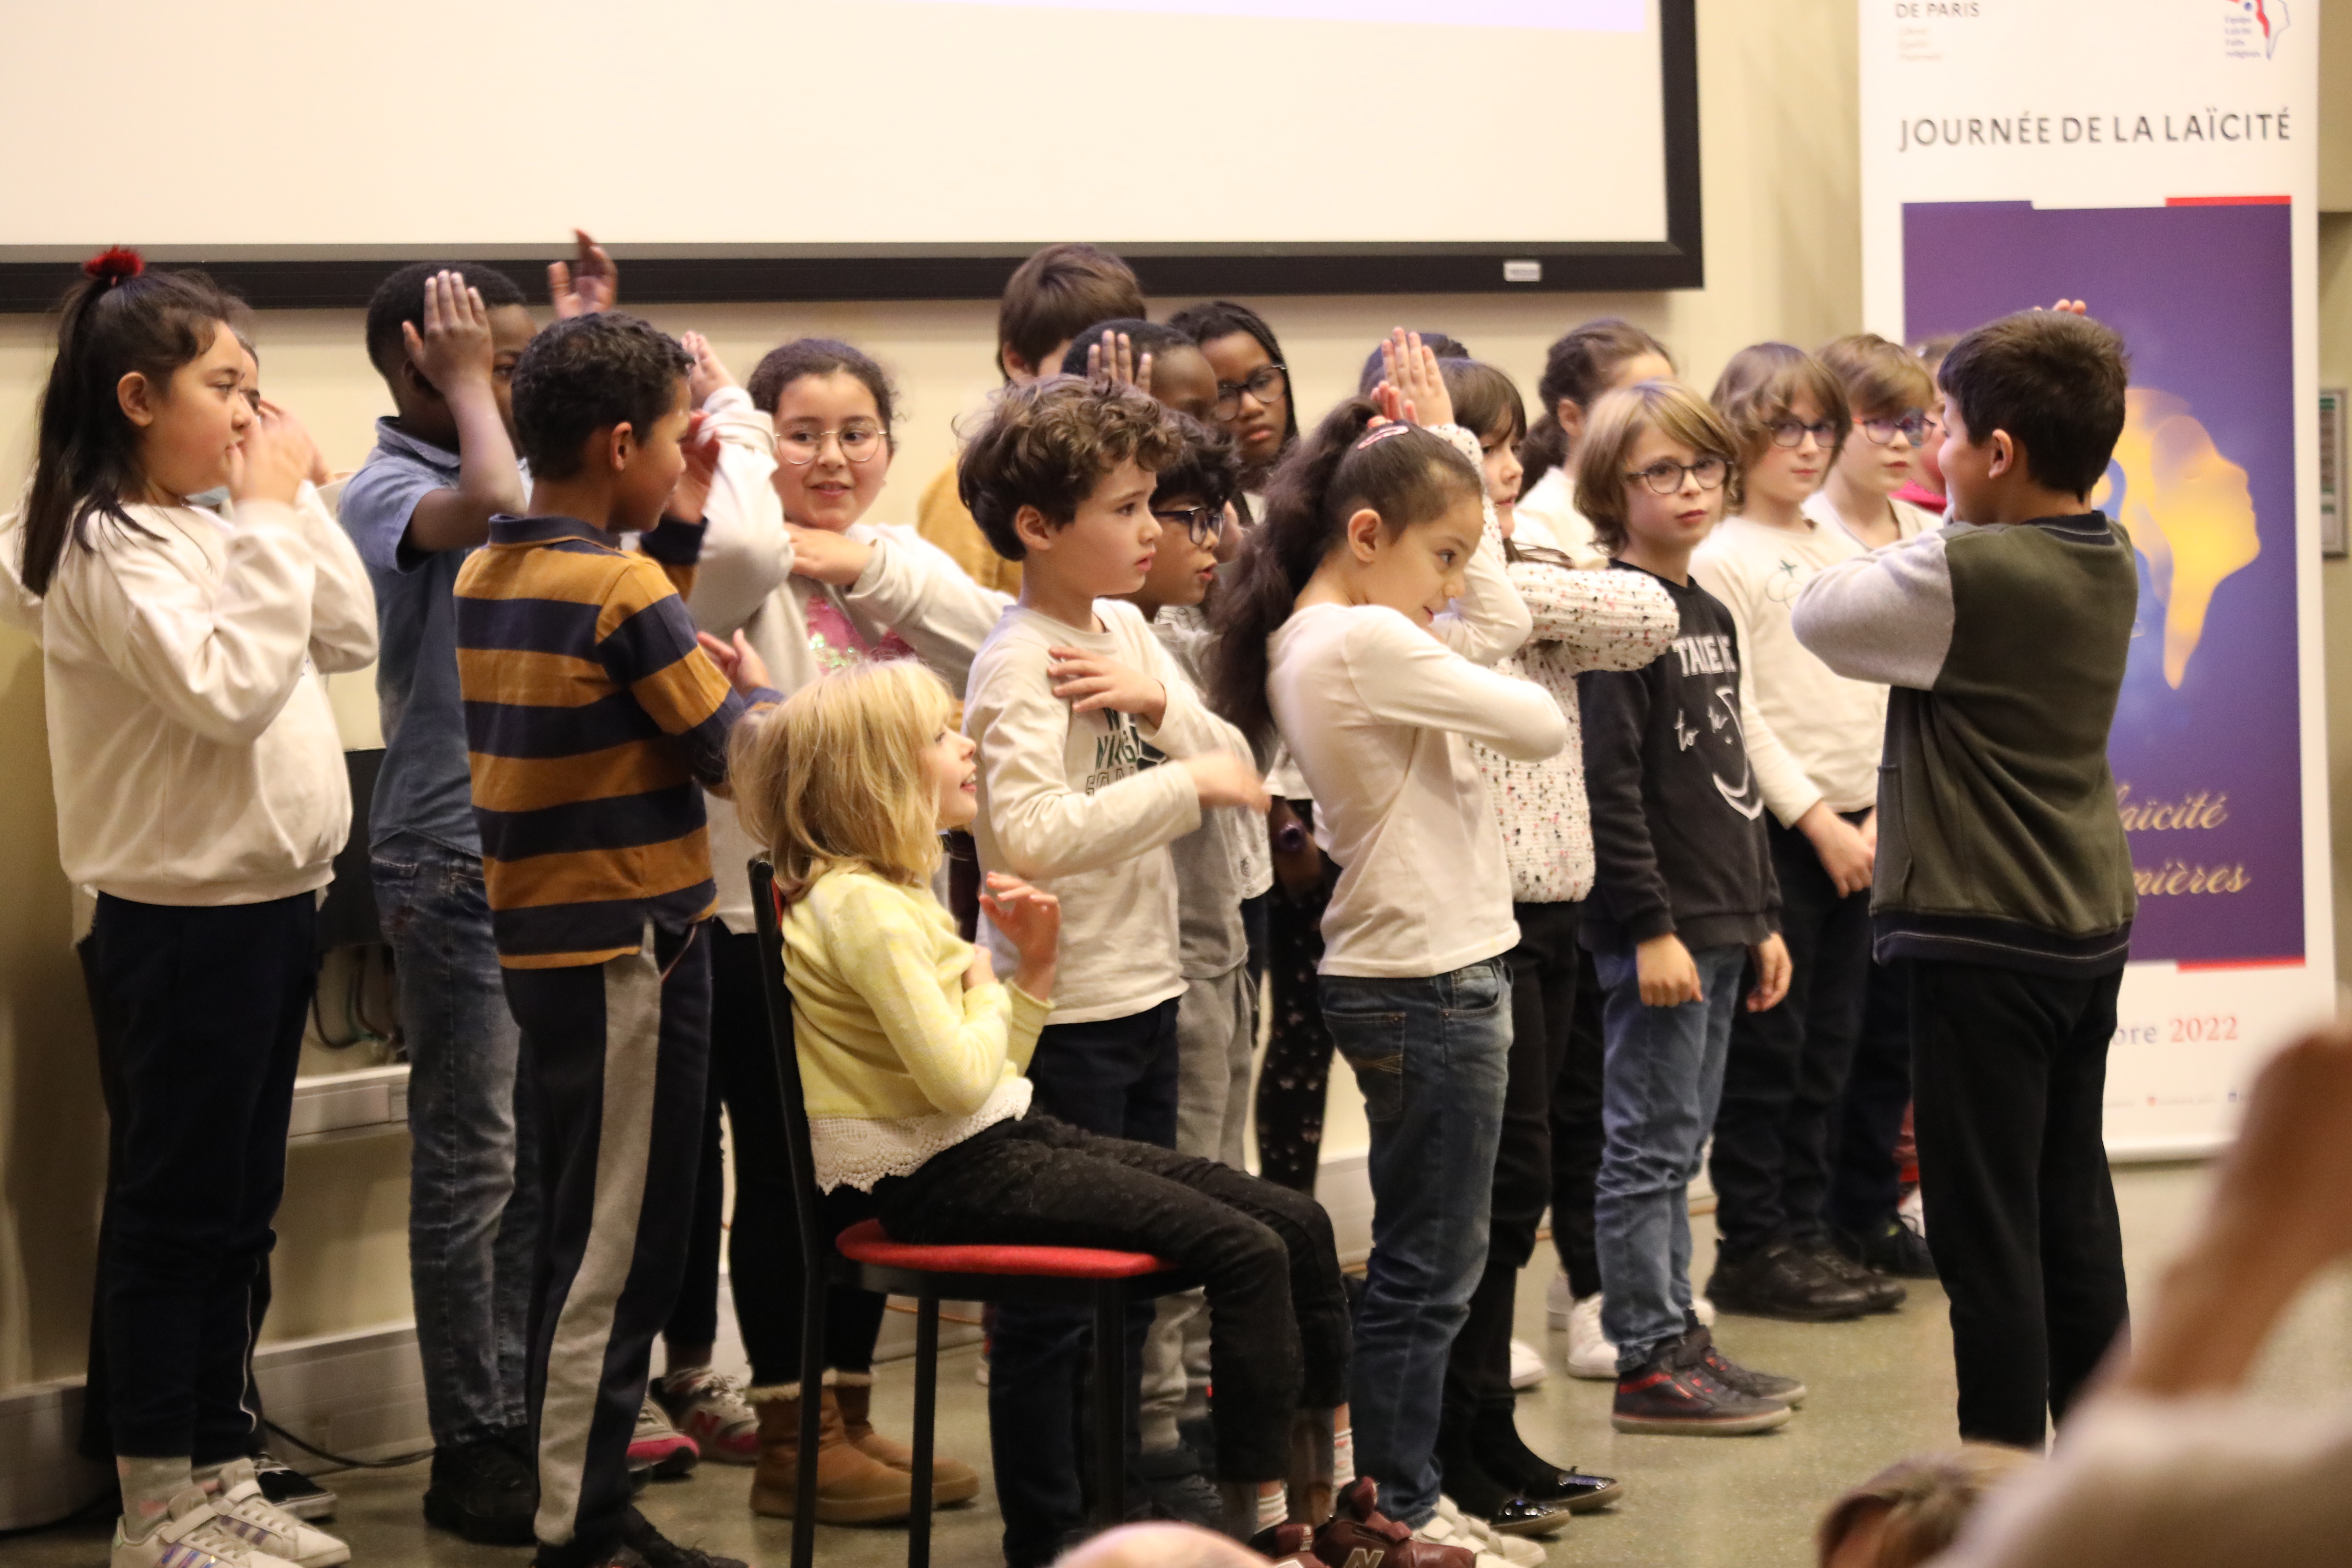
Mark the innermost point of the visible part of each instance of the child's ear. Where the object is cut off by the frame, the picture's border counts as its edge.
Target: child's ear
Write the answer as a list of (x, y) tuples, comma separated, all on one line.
[(1363, 535), (1034, 529), (136, 395), (2002, 455), (613, 447), (412, 380), (1569, 415)]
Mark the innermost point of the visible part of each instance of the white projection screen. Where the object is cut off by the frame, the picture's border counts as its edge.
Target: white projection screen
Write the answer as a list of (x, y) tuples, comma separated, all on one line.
[(875, 149)]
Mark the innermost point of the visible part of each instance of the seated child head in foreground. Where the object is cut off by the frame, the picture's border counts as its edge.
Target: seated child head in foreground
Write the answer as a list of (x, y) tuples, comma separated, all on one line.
[(1914, 1509)]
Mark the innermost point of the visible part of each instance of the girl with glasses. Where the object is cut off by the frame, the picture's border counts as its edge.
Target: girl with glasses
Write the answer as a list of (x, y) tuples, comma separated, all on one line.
[(1254, 404), (1888, 391)]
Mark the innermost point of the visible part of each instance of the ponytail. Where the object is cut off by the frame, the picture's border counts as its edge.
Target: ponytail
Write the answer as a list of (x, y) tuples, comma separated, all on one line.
[(1326, 477), (1578, 369), (121, 318)]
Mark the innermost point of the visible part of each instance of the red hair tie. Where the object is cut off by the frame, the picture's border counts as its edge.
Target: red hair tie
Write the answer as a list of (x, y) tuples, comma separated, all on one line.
[(116, 264)]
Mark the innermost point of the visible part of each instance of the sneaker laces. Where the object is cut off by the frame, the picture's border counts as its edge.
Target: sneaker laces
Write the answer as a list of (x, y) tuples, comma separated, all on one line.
[(652, 1422), (722, 1391)]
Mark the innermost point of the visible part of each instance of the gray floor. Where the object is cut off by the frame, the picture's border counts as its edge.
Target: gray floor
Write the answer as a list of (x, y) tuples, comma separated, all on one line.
[(1881, 1388)]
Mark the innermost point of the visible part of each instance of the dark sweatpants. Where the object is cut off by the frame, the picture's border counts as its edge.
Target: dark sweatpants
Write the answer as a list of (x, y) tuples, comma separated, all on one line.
[(200, 1014), (619, 1054), (2010, 1073), (1576, 1133)]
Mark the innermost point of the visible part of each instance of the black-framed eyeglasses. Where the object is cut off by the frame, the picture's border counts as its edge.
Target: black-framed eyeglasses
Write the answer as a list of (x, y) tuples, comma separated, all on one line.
[(1266, 384), (1204, 523), (1792, 432), (1666, 475), (1913, 424), (859, 444)]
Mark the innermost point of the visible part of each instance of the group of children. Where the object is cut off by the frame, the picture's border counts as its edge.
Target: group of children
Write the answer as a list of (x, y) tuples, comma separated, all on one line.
[(1550, 737)]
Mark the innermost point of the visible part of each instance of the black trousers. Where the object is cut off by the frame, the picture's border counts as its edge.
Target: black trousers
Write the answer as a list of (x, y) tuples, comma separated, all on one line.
[(1865, 1185), (1788, 1063), (1278, 1334), (1543, 1007), (765, 1270), (2010, 1073), (619, 1058), (1576, 1135), (200, 1014), (1296, 1074)]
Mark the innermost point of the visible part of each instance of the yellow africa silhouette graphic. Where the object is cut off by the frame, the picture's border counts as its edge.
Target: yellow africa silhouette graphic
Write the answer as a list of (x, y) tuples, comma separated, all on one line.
[(2188, 509)]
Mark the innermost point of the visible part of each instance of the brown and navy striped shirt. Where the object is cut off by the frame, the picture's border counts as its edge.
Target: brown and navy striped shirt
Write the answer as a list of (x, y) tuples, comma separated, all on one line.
[(592, 722)]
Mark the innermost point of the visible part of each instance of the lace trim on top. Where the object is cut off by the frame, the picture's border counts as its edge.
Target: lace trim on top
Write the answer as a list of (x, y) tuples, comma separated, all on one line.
[(859, 1151)]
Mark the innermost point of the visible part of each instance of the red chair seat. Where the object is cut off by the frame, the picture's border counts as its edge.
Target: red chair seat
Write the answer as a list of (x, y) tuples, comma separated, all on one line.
[(866, 1242)]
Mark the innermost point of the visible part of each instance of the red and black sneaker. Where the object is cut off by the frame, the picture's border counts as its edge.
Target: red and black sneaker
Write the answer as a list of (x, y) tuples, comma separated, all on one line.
[(1674, 1394)]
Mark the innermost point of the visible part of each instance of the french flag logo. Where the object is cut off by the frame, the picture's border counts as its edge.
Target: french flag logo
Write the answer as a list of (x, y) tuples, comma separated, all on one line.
[(2271, 17)]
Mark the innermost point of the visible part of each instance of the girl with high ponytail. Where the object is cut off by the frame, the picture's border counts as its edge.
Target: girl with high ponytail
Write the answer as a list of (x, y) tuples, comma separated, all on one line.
[(1596, 357), (1368, 601)]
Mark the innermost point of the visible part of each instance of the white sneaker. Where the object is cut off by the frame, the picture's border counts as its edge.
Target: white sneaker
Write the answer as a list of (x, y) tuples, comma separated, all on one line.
[(190, 1536), (1590, 1353), (1448, 1529), (268, 1528), (1528, 1367), (1704, 1309), (1479, 1536), (709, 1407), (1559, 1302)]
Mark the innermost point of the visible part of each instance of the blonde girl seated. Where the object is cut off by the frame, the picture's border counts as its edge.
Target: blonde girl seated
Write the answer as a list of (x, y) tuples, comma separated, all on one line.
[(911, 1053)]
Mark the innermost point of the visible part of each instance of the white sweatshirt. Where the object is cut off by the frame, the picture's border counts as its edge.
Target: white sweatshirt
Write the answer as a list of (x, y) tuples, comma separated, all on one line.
[(910, 589), (1075, 803), (194, 756), (1812, 734), (1375, 711), (1549, 506)]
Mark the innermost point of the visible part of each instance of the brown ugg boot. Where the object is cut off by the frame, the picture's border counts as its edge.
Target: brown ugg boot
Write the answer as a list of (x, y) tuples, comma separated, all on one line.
[(851, 1489), (953, 1481)]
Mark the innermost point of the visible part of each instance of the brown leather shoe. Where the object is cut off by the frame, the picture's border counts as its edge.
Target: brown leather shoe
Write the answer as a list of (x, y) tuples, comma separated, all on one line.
[(953, 1481), (852, 1488), (1360, 1536)]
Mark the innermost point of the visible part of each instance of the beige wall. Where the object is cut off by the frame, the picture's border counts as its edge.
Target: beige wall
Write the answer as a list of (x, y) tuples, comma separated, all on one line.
[(1782, 231)]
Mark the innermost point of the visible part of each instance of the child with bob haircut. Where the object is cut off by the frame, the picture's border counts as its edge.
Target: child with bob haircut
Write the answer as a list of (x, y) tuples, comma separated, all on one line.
[(2003, 873), (1340, 632), (1051, 298), (1683, 902), (1813, 738), (1889, 395), (1583, 620), (201, 794), (1094, 756), (913, 1053), (1586, 361)]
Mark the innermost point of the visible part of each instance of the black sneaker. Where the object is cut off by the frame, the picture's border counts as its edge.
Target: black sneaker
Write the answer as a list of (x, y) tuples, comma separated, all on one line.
[(284, 1486), (1699, 1346), (1783, 1283), (657, 1551), (1178, 1489), (483, 1490), (1887, 1293), (1894, 1248), (1675, 1397), (1496, 1445)]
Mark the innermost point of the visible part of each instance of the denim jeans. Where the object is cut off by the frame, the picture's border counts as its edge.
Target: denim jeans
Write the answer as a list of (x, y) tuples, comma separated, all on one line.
[(1662, 1081), (1432, 1058), (473, 1203)]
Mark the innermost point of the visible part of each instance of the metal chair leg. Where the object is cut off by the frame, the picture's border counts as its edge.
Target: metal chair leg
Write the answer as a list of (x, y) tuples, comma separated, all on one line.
[(1110, 1404), (926, 1389), (812, 1295)]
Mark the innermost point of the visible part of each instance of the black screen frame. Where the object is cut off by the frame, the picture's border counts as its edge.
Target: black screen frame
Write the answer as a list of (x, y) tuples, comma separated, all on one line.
[(342, 277)]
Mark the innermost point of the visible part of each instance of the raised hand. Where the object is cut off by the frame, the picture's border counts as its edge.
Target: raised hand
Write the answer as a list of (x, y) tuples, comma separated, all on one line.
[(590, 283), (453, 352), (1112, 357), (272, 460), (692, 491), (1410, 366), (709, 374), (823, 556), (315, 469)]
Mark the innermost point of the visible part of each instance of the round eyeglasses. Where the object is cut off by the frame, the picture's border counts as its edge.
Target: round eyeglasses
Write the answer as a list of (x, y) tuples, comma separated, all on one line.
[(1912, 425), (1202, 523), (859, 444), (1792, 432), (1266, 384), (1665, 477)]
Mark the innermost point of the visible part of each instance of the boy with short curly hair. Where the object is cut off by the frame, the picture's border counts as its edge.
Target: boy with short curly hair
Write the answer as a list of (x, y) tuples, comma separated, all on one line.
[(1094, 756)]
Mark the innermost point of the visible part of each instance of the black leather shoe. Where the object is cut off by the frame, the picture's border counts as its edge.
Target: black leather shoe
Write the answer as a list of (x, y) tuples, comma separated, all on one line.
[(1886, 1292), (1486, 1495), (1895, 1248), (1782, 1281), (482, 1491), (1496, 1445), (638, 1534)]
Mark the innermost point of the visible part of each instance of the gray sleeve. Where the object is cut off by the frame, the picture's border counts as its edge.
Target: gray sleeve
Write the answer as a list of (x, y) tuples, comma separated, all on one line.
[(1885, 616)]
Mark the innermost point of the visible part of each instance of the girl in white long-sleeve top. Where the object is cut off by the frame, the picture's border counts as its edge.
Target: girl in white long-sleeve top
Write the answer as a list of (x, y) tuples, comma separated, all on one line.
[(1371, 602), (200, 794)]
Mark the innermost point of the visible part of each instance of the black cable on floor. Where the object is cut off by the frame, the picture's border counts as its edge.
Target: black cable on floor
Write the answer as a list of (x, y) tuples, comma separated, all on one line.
[(397, 1462)]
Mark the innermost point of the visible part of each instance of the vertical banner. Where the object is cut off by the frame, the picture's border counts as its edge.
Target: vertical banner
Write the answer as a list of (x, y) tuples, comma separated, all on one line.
[(2159, 159)]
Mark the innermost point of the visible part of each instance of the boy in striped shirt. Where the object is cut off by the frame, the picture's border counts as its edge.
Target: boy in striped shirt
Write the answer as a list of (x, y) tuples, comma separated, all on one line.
[(593, 722)]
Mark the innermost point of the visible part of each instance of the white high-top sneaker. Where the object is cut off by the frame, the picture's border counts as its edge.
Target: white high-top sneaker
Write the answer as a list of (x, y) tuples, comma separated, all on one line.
[(1590, 1353)]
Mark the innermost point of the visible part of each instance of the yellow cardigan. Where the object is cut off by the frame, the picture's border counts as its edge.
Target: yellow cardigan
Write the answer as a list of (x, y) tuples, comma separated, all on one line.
[(897, 1060)]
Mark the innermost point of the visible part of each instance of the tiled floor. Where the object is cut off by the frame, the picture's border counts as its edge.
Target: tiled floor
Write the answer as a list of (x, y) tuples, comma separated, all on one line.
[(1881, 1388)]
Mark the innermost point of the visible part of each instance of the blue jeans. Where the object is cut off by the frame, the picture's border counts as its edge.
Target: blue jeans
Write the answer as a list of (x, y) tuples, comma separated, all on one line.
[(473, 1203), (1432, 1058), (1661, 1085)]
